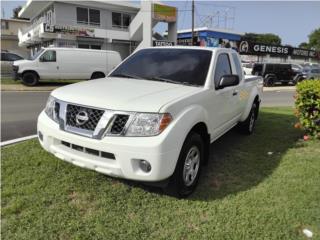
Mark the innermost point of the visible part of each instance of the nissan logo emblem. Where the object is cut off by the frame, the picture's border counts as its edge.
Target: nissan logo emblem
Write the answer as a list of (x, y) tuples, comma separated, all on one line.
[(82, 117)]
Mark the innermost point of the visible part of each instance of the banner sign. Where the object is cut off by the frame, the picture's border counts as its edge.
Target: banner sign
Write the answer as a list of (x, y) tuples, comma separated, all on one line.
[(250, 48), (162, 43), (164, 13), (82, 32)]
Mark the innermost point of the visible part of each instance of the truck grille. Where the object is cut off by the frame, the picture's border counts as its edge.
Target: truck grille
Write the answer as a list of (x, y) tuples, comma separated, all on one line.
[(93, 117), (119, 123)]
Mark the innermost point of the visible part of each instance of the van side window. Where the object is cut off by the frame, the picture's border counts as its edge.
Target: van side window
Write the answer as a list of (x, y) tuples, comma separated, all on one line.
[(223, 67), (49, 56), (238, 65)]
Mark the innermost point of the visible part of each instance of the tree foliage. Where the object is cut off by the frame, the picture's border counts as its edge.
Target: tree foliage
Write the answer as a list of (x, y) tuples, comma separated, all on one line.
[(266, 38), (314, 39), (16, 12)]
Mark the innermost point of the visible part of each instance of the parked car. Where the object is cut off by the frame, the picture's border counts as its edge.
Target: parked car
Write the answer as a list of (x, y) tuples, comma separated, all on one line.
[(276, 73), (153, 118), (7, 59), (311, 73), (66, 63)]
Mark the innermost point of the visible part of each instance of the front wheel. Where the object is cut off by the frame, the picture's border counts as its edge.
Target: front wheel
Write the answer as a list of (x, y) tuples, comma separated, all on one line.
[(186, 175), (30, 79), (247, 126)]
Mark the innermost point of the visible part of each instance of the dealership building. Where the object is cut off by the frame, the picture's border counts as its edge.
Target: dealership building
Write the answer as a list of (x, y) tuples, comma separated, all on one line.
[(209, 37), (108, 25)]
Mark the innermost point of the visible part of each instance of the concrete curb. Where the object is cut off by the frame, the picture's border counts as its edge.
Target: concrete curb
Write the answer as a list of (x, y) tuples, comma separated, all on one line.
[(282, 88), (13, 141)]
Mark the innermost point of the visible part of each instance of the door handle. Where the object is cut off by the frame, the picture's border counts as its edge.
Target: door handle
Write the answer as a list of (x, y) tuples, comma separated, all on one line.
[(235, 92), (58, 67)]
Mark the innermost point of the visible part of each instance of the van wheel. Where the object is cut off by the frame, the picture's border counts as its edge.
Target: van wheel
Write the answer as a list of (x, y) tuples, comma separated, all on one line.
[(186, 175), (97, 75), (247, 126), (30, 79)]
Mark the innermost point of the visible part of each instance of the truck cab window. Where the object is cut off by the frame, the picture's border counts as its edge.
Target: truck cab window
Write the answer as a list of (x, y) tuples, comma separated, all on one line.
[(223, 67), (48, 56)]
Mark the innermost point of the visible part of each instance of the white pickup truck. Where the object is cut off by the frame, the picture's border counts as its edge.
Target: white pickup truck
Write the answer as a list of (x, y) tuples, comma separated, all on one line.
[(153, 118)]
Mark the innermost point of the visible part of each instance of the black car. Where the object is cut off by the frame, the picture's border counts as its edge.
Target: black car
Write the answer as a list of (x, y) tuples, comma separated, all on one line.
[(276, 73)]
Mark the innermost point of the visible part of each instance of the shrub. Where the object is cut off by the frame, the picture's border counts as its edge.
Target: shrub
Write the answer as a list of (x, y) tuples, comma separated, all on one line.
[(308, 107)]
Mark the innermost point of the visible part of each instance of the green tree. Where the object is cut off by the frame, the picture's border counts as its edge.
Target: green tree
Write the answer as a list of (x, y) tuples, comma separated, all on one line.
[(266, 38), (314, 39), (16, 12), (304, 45)]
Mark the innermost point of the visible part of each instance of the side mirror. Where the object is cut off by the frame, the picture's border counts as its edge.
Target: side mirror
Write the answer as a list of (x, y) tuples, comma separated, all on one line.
[(228, 81)]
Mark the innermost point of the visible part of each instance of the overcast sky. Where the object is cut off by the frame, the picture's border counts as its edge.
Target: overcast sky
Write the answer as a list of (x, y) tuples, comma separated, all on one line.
[(293, 21)]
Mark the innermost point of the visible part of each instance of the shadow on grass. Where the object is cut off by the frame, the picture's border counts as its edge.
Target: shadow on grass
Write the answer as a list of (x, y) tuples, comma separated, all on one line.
[(238, 162)]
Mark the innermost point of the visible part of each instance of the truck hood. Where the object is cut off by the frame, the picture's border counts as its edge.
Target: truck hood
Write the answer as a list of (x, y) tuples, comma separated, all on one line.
[(123, 94)]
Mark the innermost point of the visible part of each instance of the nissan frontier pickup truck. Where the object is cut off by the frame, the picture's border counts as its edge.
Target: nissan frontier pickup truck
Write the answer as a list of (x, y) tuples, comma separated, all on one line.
[(152, 119)]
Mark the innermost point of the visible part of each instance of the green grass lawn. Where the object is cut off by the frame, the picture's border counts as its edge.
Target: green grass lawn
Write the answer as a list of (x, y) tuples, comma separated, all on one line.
[(244, 193)]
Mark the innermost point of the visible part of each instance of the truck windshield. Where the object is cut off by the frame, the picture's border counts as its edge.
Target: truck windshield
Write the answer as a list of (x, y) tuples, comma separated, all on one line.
[(180, 66)]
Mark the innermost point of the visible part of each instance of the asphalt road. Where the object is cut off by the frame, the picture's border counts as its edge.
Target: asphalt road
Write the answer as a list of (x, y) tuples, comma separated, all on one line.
[(19, 110)]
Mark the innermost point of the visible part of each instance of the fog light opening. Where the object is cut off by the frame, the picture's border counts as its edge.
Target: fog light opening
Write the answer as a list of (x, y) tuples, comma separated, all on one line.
[(145, 166)]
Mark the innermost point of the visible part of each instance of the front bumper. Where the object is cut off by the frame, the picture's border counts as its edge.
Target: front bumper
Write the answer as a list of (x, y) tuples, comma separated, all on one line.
[(161, 152)]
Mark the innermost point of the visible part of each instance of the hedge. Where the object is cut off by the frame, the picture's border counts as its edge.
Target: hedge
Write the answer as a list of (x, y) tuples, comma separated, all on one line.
[(307, 105)]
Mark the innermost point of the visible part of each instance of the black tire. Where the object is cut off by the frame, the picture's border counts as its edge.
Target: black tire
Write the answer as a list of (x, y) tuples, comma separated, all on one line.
[(30, 79), (269, 82), (97, 75), (247, 126), (177, 186)]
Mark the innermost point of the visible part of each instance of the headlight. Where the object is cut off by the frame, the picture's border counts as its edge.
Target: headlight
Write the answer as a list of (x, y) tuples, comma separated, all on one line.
[(148, 124), (52, 109)]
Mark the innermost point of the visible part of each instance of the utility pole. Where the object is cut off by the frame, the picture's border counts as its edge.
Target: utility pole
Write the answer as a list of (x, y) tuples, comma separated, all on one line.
[(192, 28)]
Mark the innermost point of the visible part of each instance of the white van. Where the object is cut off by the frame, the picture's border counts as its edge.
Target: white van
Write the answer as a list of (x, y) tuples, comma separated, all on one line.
[(66, 63)]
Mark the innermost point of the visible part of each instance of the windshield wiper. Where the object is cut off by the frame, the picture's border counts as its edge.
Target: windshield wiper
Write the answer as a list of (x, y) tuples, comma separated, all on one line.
[(160, 79), (126, 75)]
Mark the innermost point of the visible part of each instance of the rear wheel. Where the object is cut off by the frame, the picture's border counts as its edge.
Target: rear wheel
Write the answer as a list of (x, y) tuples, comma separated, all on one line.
[(30, 79), (247, 126), (186, 175)]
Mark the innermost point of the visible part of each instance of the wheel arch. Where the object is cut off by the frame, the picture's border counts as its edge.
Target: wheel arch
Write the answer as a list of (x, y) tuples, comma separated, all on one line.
[(253, 98), (32, 71)]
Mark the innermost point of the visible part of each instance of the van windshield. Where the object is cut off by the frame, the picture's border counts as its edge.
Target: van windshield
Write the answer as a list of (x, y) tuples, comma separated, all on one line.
[(179, 66), (37, 54)]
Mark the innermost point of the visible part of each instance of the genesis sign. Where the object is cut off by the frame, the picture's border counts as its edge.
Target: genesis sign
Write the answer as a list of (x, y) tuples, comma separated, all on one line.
[(262, 49)]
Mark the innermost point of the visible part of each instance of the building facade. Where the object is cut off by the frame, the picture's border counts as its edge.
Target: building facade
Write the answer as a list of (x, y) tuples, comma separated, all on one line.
[(108, 25), (9, 36)]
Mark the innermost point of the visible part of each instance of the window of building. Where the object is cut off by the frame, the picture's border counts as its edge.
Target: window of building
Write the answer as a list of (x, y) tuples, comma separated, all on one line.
[(223, 67), (82, 15), (98, 47), (4, 25), (88, 16), (120, 20), (94, 17), (87, 46), (49, 56)]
